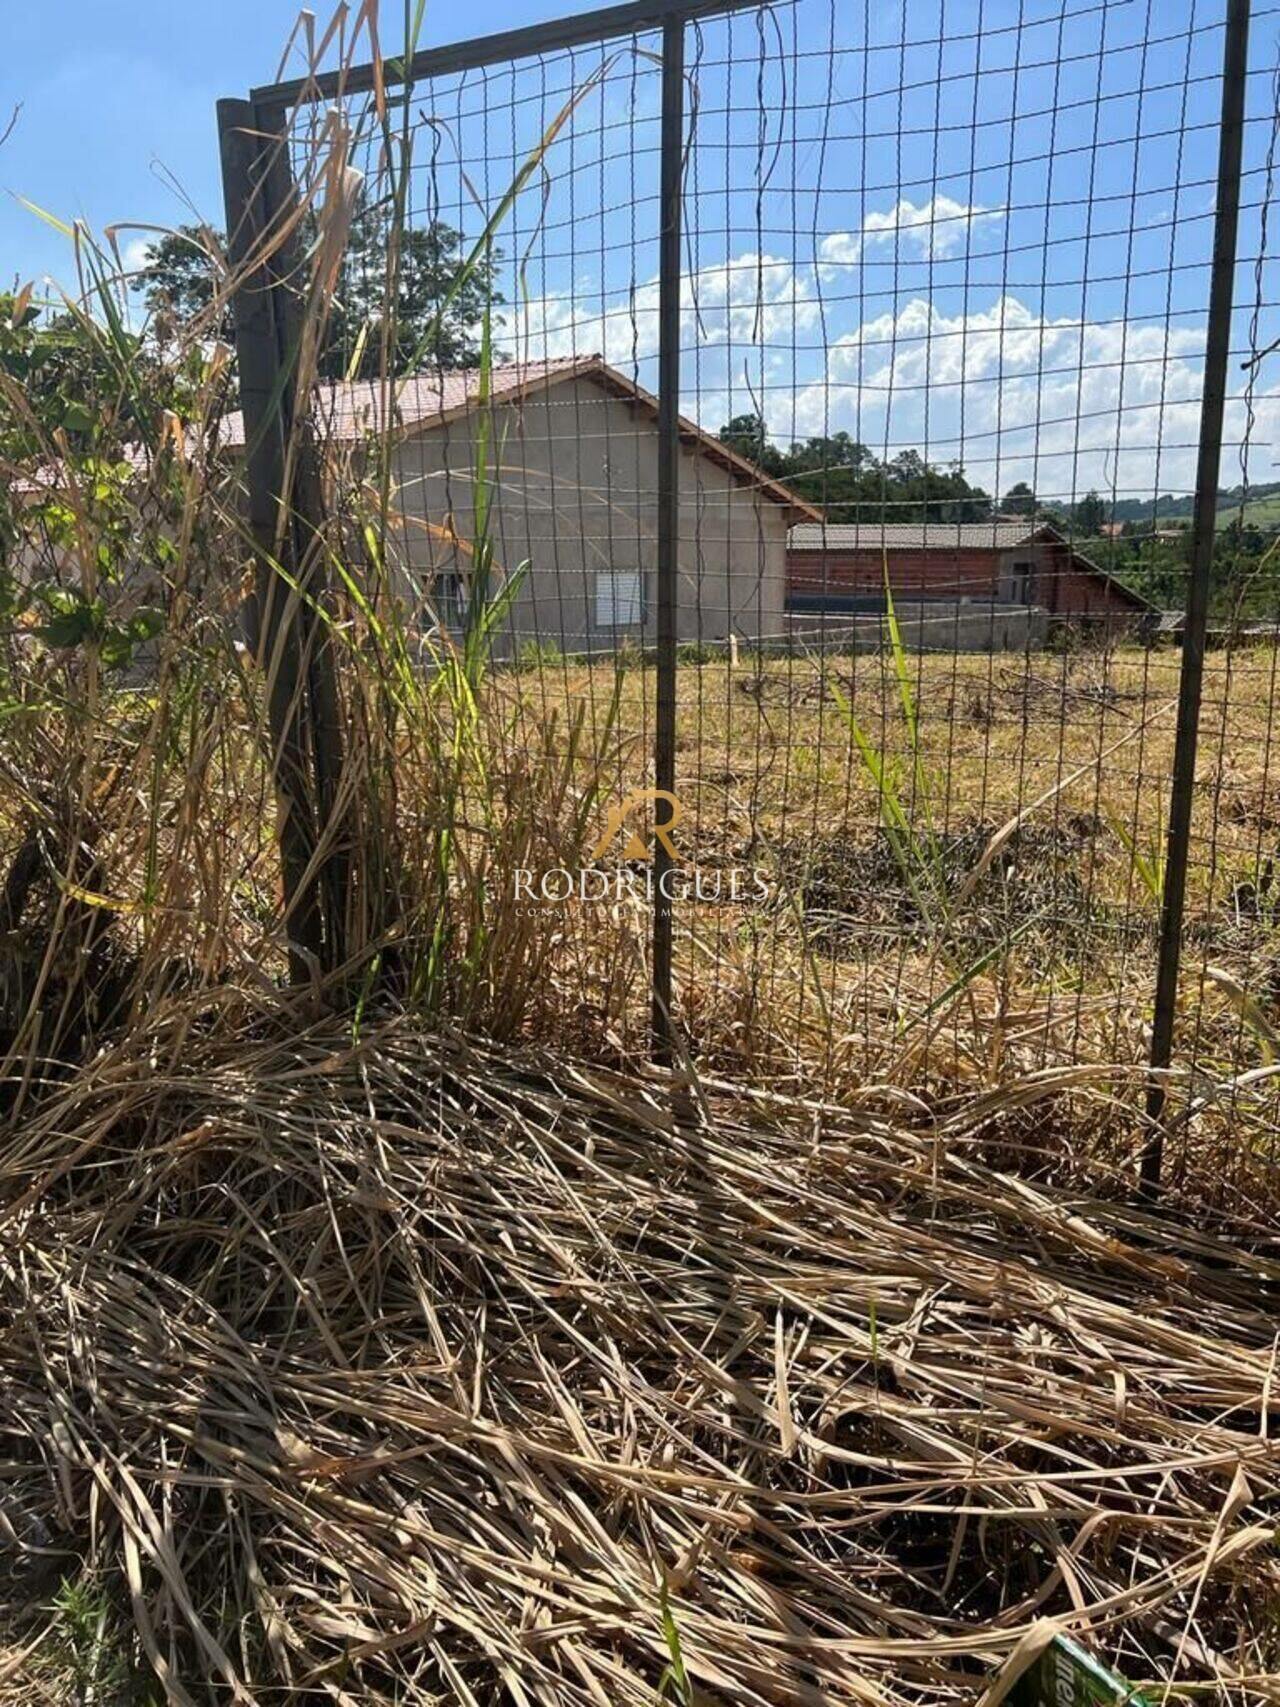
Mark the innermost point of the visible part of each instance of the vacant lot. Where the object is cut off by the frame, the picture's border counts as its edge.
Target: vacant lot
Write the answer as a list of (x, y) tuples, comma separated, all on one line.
[(765, 747), (874, 805)]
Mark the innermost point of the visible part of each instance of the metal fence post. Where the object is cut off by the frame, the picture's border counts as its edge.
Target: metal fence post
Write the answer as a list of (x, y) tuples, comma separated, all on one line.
[(668, 536), (1213, 401), (306, 519), (289, 644)]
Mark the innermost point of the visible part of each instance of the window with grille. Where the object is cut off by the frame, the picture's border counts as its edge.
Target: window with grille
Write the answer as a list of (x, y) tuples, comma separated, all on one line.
[(619, 598)]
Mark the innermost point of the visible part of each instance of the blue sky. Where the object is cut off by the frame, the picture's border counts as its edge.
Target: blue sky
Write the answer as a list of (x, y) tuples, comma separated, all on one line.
[(979, 230), (977, 227), (117, 95)]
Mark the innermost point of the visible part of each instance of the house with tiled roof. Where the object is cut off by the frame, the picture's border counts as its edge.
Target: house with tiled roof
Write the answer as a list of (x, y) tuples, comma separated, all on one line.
[(572, 454)]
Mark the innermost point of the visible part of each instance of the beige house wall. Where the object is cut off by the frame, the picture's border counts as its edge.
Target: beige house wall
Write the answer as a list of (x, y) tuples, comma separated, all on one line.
[(574, 494)]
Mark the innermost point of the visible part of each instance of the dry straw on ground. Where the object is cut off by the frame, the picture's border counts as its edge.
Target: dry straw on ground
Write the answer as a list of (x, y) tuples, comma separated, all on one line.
[(409, 1368)]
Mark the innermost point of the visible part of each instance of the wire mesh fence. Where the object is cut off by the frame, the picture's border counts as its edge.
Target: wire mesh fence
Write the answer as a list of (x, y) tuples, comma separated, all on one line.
[(939, 313)]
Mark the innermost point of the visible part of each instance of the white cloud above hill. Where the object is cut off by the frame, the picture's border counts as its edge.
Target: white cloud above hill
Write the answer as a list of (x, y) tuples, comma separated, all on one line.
[(1012, 392)]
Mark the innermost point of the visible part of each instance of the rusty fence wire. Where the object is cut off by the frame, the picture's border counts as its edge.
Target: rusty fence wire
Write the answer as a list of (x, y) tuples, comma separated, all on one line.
[(825, 420)]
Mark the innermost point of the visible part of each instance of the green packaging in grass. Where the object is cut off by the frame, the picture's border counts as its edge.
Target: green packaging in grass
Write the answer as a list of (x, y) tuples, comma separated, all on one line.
[(1064, 1675)]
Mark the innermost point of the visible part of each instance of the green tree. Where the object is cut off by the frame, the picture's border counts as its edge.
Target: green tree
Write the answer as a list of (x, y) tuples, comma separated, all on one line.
[(906, 468), (1089, 516), (747, 437), (429, 262), (1019, 500), (177, 278), (837, 451), (86, 399), (842, 478), (178, 283), (88, 387)]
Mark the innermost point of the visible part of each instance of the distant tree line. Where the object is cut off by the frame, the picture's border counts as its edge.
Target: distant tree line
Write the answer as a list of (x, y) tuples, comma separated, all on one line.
[(844, 480), (848, 483), (1244, 576)]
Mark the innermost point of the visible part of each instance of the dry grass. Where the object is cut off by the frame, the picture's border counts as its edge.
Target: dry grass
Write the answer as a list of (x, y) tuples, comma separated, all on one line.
[(410, 1370), (840, 985), (765, 754)]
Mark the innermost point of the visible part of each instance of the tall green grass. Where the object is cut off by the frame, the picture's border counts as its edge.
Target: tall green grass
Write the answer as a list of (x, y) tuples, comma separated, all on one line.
[(904, 791)]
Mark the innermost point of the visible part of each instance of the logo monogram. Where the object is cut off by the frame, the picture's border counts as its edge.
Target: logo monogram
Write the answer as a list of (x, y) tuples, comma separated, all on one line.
[(636, 847)]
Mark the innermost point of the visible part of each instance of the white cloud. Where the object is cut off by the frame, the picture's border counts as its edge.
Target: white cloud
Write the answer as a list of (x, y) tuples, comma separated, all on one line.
[(134, 253), (1015, 395), (746, 300), (934, 229), (1010, 391)]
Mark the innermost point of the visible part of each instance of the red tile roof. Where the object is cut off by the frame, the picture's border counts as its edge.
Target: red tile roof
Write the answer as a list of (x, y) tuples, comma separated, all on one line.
[(348, 410)]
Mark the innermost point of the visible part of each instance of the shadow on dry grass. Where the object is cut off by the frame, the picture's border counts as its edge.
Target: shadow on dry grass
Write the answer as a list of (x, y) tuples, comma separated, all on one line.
[(413, 1369)]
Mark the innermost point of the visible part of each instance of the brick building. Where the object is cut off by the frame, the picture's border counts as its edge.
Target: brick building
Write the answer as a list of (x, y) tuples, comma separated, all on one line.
[(836, 567)]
